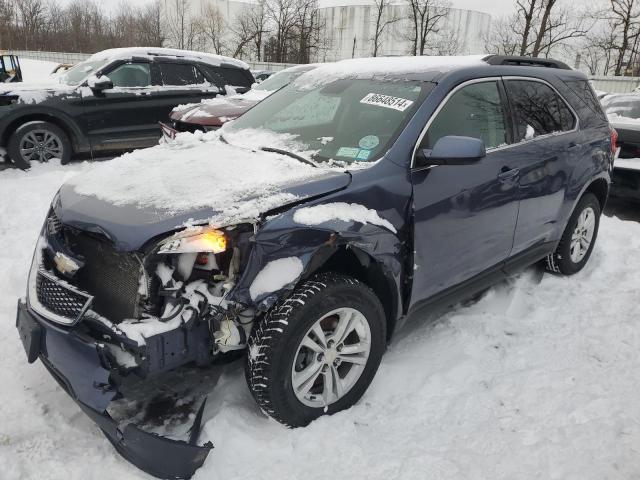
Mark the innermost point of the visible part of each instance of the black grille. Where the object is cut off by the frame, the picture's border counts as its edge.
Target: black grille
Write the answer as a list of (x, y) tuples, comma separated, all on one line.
[(60, 299), (110, 276)]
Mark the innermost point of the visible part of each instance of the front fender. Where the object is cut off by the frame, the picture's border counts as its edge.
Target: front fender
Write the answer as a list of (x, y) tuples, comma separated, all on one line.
[(374, 246)]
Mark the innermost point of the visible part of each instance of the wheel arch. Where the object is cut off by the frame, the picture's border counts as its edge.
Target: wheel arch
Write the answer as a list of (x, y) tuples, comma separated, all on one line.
[(66, 125), (599, 188), (357, 263)]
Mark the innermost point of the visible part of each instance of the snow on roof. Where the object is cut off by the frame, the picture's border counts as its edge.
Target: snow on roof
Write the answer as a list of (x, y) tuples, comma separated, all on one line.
[(152, 52), (364, 68)]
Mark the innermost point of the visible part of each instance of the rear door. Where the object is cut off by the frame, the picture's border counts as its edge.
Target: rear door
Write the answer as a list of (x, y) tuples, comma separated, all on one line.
[(123, 117), (546, 145), (464, 215), (182, 82)]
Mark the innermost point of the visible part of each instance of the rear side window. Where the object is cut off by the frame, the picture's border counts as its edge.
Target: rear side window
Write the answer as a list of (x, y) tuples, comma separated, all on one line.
[(538, 110), (473, 111), (235, 77), (584, 90), (176, 74)]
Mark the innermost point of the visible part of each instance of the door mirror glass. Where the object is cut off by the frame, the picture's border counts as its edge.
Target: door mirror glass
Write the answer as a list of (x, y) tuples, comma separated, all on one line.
[(452, 150), (98, 84)]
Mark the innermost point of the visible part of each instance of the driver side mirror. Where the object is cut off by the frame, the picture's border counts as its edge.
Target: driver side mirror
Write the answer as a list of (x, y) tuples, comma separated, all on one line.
[(98, 84), (452, 150)]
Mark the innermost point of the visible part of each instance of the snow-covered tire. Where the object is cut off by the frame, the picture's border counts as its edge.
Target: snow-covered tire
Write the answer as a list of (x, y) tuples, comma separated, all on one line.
[(566, 260), (277, 342), (50, 138)]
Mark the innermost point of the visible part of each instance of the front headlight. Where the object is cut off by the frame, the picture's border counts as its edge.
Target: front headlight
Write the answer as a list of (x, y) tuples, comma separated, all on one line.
[(195, 240)]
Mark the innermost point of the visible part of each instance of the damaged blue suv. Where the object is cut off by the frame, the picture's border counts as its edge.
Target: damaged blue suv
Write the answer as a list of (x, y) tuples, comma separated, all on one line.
[(301, 233)]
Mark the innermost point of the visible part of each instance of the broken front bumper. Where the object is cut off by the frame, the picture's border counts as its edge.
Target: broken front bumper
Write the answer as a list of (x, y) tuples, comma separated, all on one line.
[(83, 371)]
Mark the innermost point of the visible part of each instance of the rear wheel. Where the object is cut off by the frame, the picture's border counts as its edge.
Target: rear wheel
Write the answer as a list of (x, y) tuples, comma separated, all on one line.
[(578, 239), (318, 351), (38, 142)]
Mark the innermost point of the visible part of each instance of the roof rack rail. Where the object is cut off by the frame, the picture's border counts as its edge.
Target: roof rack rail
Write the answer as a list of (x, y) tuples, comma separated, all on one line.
[(525, 61)]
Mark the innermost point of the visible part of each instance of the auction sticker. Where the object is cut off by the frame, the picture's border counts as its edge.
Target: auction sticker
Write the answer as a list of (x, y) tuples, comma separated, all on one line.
[(396, 103)]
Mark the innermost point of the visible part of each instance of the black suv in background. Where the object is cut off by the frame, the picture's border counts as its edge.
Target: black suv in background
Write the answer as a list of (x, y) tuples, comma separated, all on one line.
[(110, 103)]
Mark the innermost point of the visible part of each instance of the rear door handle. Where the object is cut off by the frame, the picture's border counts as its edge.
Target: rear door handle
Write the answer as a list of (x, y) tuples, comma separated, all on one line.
[(506, 174)]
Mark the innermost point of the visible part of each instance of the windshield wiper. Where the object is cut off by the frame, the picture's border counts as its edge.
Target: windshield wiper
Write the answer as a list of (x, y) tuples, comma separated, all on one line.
[(289, 154)]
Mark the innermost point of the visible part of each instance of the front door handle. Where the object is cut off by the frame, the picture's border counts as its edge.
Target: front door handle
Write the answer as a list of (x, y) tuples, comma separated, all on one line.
[(508, 174)]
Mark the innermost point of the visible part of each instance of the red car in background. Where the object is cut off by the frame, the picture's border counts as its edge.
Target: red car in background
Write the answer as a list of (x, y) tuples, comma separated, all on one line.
[(212, 113)]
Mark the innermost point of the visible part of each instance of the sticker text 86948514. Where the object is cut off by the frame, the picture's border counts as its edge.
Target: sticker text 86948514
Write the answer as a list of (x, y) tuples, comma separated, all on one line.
[(396, 103)]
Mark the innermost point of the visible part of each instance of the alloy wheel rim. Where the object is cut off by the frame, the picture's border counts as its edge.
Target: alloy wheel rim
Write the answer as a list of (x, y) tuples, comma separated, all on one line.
[(331, 357), (582, 235), (40, 146)]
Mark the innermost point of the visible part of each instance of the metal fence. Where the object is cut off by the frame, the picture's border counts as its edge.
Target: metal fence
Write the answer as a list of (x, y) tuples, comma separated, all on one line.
[(58, 57), (615, 84)]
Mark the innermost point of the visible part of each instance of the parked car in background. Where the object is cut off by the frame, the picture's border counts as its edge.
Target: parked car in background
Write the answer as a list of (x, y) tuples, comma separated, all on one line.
[(623, 111), (212, 114), (110, 103), (305, 231), (10, 71), (262, 75)]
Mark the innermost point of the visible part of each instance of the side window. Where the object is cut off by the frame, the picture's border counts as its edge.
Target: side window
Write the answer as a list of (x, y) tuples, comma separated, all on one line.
[(176, 74), (215, 76), (235, 77), (131, 75), (538, 110), (473, 111)]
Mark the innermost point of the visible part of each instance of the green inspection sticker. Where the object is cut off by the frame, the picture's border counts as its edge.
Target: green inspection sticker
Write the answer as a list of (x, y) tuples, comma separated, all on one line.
[(363, 154)]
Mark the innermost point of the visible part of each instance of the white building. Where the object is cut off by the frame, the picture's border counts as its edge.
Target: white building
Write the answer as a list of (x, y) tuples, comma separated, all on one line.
[(350, 27)]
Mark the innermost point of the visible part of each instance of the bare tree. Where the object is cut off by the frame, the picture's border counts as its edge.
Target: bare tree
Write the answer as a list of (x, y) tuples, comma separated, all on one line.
[(624, 15), (149, 21), (384, 17), (283, 16), (425, 17), (214, 27)]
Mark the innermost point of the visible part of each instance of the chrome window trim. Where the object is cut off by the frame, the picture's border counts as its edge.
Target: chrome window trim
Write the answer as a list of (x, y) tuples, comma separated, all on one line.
[(503, 147)]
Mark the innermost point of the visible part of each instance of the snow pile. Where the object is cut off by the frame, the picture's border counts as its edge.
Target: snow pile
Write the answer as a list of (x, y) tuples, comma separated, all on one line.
[(276, 275), (379, 67), (37, 71), (536, 380), (197, 171), (627, 163), (345, 212)]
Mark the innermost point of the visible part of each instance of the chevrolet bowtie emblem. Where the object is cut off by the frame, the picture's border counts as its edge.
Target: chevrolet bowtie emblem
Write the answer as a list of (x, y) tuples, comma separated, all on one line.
[(65, 264)]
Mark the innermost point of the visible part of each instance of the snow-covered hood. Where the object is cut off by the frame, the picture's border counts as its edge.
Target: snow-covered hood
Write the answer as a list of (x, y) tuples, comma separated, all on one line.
[(197, 179), (219, 110)]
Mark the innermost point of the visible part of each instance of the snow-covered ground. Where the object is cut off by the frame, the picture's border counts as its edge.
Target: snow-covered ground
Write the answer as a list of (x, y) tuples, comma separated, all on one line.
[(539, 379), (36, 70)]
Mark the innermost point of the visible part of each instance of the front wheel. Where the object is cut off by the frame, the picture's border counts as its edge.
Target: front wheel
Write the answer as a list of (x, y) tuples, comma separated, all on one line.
[(578, 239), (317, 351), (38, 142)]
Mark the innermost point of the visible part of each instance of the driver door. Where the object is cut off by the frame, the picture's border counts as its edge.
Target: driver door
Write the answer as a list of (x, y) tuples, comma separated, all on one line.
[(464, 215), (123, 117)]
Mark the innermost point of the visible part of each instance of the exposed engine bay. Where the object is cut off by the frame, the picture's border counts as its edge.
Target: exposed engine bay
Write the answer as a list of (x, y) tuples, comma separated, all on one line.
[(160, 309)]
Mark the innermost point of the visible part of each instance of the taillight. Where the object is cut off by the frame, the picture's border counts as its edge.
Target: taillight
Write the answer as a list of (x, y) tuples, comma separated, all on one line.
[(614, 140)]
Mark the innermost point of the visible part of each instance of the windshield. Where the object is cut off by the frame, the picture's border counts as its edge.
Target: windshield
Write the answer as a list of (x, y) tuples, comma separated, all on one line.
[(279, 80), (76, 74), (345, 121)]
